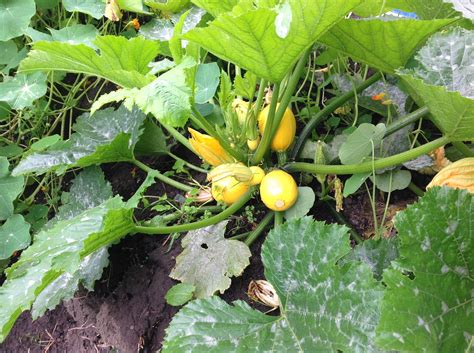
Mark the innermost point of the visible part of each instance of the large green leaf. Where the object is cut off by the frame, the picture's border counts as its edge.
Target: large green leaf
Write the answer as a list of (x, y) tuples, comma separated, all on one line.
[(10, 188), (325, 307), (124, 62), (15, 17), (249, 37), (167, 97), (427, 305), (216, 7), (75, 34), (57, 250), (386, 45), (107, 136), (168, 5), (89, 189), (8, 51), (22, 90), (425, 9), (442, 80), (94, 8), (209, 260)]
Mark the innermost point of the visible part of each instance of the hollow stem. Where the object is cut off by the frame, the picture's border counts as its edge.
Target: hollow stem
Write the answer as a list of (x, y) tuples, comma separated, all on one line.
[(416, 190), (260, 228), (186, 163), (179, 137), (320, 116), (367, 166), (406, 120), (156, 174), (199, 224)]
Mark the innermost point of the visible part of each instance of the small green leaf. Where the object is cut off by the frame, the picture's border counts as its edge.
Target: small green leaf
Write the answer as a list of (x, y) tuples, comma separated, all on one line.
[(353, 184), (300, 262), (392, 180), (22, 90), (180, 294), (427, 305), (15, 16), (209, 260), (14, 236), (248, 36), (206, 82), (386, 45), (44, 143), (303, 205), (361, 143), (107, 136), (94, 8), (10, 188), (124, 62), (76, 34), (132, 6)]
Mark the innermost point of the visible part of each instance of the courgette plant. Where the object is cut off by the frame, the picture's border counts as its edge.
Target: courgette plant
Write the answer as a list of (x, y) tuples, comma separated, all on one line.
[(242, 123)]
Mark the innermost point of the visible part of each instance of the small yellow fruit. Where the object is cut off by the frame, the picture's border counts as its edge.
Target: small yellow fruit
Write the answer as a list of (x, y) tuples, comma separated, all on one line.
[(253, 144), (258, 175), (228, 190), (459, 175), (286, 130), (278, 190)]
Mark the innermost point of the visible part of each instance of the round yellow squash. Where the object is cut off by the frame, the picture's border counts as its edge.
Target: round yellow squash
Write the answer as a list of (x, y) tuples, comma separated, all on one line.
[(228, 190), (286, 130), (278, 190)]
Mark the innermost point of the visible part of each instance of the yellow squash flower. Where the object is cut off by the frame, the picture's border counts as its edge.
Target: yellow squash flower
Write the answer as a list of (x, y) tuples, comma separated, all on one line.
[(209, 148), (459, 175)]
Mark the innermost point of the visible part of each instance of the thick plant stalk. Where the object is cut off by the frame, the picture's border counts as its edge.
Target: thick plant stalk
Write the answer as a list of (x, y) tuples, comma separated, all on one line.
[(260, 228), (335, 103), (199, 224), (370, 165), (406, 120)]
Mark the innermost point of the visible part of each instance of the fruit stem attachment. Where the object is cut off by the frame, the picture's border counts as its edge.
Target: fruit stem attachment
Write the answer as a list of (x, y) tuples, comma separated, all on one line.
[(335, 103), (278, 218), (199, 224), (370, 165), (156, 174), (260, 228), (209, 129)]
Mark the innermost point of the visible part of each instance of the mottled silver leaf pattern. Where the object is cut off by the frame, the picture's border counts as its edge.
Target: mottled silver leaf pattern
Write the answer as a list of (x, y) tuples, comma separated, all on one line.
[(325, 307)]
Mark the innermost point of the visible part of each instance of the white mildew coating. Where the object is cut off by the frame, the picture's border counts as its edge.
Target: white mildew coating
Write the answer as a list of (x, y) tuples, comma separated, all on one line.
[(432, 311), (300, 262)]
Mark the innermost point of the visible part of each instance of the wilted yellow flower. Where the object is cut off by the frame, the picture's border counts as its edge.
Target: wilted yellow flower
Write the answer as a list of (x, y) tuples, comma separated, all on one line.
[(459, 175), (209, 148), (241, 108), (237, 170), (263, 292)]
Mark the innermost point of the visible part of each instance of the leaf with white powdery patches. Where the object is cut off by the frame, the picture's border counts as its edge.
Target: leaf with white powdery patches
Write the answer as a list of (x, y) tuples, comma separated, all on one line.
[(432, 309), (20, 91), (300, 262), (68, 251), (209, 260), (442, 80), (107, 136), (14, 236)]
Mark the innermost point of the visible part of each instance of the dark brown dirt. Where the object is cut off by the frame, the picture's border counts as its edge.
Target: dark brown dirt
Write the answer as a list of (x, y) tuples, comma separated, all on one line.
[(127, 310)]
